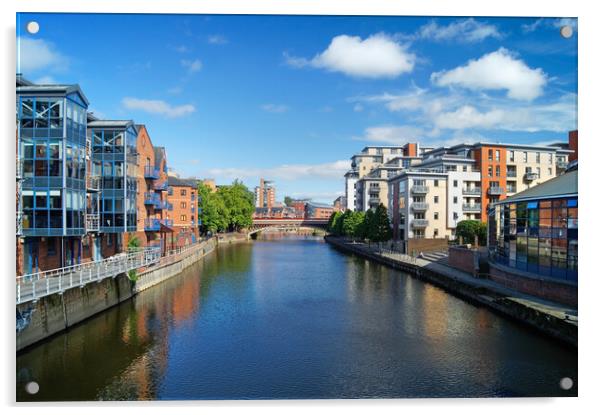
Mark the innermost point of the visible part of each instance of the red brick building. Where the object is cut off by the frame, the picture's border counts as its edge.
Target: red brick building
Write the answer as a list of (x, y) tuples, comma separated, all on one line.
[(183, 198)]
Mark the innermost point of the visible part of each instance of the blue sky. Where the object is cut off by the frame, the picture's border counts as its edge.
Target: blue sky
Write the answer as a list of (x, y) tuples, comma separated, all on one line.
[(291, 98)]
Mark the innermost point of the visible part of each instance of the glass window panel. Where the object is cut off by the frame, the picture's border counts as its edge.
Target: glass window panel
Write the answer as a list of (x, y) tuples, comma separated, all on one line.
[(41, 219), (545, 204), (572, 203), (27, 199), (56, 108), (41, 123), (28, 168), (56, 219), (41, 167), (28, 150), (26, 124), (54, 150), (572, 218), (42, 107), (27, 107), (55, 168)]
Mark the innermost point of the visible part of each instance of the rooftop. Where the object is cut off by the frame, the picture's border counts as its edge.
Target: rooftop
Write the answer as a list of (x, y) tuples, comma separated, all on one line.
[(179, 182), (110, 124), (563, 185)]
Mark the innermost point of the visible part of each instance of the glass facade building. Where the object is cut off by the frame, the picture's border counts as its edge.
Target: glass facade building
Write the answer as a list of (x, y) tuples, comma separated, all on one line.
[(114, 160), (51, 149), (537, 233)]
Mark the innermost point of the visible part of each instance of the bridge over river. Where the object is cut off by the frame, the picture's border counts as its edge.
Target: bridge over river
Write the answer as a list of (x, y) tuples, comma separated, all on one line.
[(286, 223)]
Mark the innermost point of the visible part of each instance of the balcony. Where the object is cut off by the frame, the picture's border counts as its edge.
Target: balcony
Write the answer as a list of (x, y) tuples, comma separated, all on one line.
[(420, 223), (19, 172), (495, 190), (511, 189), (92, 222), (418, 189), (530, 176), (151, 172), (472, 191), (161, 186), (561, 164), (152, 224), (167, 222), (511, 173), (475, 207), (93, 183), (419, 206), (374, 200), (19, 223), (161, 204), (151, 198)]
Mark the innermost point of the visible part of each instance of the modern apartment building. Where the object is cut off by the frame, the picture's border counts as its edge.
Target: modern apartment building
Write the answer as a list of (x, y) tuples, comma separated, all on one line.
[(318, 210), (265, 194), (357, 194), (183, 197), (84, 185), (51, 175), (452, 184)]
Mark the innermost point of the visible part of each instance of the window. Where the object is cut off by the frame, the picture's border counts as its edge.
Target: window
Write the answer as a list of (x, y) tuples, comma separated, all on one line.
[(490, 171), (455, 199), (455, 183), (436, 233), (497, 171), (537, 157), (436, 199), (550, 158), (511, 155), (549, 171), (436, 216), (497, 155), (183, 205), (464, 168), (490, 154), (455, 215), (183, 192), (538, 172), (436, 183), (525, 157), (183, 218)]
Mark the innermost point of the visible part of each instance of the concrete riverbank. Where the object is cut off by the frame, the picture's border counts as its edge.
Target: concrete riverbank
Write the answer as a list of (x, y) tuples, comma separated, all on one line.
[(49, 315), (553, 319)]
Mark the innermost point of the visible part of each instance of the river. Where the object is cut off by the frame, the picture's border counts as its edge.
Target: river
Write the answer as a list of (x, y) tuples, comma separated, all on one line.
[(291, 317)]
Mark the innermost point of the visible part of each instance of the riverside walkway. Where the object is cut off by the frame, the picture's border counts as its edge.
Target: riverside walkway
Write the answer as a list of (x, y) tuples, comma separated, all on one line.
[(40, 284)]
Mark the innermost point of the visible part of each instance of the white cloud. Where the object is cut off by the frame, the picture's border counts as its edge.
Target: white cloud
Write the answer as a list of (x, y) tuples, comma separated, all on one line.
[(182, 49), (175, 90), (378, 56), (38, 54), (565, 21), (499, 70), (192, 65), (158, 107), (46, 80), (274, 108), (557, 116), (528, 28), (392, 134), (217, 39), (333, 170), (358, 107), (466, 30)]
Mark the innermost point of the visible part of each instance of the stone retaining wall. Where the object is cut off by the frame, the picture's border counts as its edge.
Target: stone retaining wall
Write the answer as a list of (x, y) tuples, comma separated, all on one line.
[(38, 320)]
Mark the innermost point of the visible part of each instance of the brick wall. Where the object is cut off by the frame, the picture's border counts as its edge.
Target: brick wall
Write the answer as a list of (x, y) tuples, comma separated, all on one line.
[(464, 259), (540, 287), (426, 245)]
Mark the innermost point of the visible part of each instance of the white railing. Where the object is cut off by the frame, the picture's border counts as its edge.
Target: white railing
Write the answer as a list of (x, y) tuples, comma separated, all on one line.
[(92, 222), (40, 284)]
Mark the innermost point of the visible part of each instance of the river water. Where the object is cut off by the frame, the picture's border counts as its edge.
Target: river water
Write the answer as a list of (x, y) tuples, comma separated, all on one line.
[(291, 317)]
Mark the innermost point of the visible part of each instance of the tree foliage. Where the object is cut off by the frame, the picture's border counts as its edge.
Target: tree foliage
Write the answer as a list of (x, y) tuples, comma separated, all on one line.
[(288, 201), (468, 229), (229, 209), (371, 225)]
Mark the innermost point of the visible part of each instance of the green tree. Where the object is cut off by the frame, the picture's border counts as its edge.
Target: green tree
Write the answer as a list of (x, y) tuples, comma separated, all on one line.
[(352, 223), (213, 213), (288, 201), (379, 229), (133, 241), (469, 229), (361, 230), (239, 202), (334, 217)]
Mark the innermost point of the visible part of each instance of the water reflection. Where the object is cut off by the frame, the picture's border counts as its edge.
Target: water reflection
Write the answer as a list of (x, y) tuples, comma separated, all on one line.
[(290, 317)]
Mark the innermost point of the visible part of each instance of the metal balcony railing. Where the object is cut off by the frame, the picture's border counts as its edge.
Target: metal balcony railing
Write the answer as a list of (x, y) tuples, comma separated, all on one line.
[(420, 223), (511, 173), (471, 190), (19, 223), (151, 198), (161, 204), (92, 222), (467, 207), (161, 186), (495, 190), (19, 172), (530, 176), (169, 206), (418, 189), (152, 224), (93, 183), (420, 206), (151, 172), (167, 222)]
